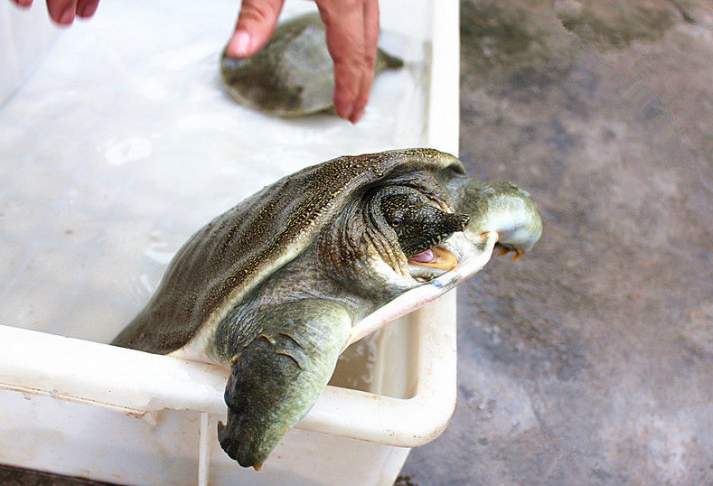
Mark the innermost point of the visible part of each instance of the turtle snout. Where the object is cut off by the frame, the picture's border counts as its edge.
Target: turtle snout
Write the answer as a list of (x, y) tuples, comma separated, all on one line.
[(429, 229), (418, 223), (455, 222)]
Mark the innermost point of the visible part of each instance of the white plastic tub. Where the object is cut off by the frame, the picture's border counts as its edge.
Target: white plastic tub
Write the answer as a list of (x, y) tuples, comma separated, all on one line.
[(119, 146)]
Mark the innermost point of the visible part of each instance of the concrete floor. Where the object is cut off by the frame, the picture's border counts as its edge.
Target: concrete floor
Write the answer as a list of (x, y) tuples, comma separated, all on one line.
[(588, 361)]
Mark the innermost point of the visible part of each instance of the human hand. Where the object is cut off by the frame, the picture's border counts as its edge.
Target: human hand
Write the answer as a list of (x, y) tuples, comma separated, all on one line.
[(64, 11), (352, 34)]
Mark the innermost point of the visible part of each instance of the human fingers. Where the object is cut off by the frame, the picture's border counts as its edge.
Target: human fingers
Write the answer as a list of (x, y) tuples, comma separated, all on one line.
[(371, 40), (22, 3), (344, 22), (256, 23), (86, 8), (62, 11), (352, 50)]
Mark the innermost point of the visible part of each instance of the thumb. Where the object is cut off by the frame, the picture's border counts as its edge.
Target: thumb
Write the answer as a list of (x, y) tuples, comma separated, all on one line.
[(256, 23)]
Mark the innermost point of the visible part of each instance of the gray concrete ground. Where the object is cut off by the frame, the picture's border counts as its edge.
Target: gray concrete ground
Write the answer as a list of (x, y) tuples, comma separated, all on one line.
[(588, 361)]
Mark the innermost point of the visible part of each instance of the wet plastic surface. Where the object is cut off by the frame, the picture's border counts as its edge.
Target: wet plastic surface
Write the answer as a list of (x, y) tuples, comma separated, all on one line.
[(117, 149)]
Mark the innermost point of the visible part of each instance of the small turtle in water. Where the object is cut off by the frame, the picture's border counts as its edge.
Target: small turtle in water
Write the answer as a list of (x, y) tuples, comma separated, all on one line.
[(293, 75), (277, 287)]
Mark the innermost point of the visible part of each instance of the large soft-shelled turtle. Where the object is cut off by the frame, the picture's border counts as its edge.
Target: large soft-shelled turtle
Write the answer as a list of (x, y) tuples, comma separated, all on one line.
[(278, 286)]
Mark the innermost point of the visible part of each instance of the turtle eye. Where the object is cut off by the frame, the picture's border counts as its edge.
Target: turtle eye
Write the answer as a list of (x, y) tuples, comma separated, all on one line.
[(395, 222)]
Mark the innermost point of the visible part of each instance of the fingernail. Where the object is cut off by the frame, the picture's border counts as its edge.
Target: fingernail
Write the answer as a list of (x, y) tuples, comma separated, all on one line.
[(24, 3), (355, 113), (67, 17), (356, 116), (88, 10), (342, 112), (239, 45)]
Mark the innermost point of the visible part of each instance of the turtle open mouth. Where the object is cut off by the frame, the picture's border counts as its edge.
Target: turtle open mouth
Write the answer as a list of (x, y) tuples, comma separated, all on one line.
[(429, 264), (436, 257)]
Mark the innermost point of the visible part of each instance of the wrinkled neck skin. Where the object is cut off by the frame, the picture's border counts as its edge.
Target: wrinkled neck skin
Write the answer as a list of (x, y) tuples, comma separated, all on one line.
[(360, 250), (360, 253)]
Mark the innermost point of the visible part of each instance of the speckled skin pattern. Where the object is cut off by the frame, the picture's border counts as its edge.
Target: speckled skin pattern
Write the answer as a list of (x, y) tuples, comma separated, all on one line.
[(272, 287), (293, 74), (242, 247)]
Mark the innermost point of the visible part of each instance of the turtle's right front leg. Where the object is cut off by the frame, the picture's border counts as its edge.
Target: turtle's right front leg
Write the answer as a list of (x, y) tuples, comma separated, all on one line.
[(278, 376)]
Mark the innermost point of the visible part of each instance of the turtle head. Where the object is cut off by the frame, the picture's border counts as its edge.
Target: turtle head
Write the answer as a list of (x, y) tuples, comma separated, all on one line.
[(419, 225)]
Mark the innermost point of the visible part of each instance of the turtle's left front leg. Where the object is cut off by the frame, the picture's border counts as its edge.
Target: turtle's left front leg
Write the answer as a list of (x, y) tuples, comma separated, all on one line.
[(277, 377)]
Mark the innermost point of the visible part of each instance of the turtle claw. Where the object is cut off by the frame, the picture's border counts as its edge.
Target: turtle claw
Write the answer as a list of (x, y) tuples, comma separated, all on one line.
[(236, 443), (229, 446), (233, 448), (504, 250)]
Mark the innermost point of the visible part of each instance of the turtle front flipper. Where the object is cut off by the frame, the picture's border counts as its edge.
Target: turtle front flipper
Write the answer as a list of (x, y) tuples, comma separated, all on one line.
[(277, 377)]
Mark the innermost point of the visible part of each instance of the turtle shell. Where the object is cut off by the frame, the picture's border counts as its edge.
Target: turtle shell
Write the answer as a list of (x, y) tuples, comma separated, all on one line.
[(239, 249)]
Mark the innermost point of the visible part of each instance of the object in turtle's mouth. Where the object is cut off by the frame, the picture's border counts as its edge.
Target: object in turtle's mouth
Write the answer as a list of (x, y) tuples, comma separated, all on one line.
[(424, 257), (436, 257)]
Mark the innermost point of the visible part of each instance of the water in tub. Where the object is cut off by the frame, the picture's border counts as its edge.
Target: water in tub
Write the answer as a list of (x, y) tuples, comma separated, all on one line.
[(123, 142)]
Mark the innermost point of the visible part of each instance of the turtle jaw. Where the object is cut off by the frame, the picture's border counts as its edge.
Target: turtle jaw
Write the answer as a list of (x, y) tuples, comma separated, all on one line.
[(452, 254), (432, 263), (436, 257)]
